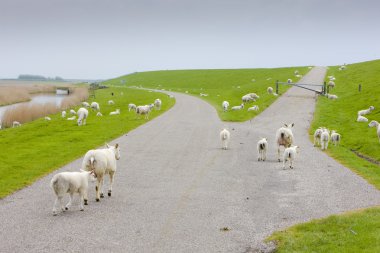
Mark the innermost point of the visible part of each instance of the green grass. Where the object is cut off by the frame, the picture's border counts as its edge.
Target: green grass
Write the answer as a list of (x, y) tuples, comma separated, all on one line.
[(351, 232), (219, 84), (39, 147)]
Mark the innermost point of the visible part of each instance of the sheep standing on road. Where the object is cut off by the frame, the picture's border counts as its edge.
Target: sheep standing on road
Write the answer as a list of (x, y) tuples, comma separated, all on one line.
[(317, 137), (262, 146), (361, 119), (366, 111), (70, 182), (289, 155), (325, 138), (102, 162), (225, 105), (225, 138), (335, 137), (237, 107), (95, 106), (82, 116), (284, 137), (157, 104), (376, 124)]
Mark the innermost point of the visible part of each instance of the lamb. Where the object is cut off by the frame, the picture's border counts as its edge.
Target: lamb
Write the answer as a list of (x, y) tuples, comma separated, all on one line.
[(72, 118), (111, 102), (361, 119), (143, 110), (16, 124), (332, 97), (85, 104), (296, 72), (203, 94), (376, 124), (262, 146), (325, 138), (95, 106), (317, 136), (131, 107), (157, 104), (115, 112), (82, 116), (289, 80), (225, 105), (47, 118), (270, 90), (225, 138), (253, 108), (238, 107), (366, 111), (72, 112), (63, 114), (289, 155), (99, 114), (102, 162), (331, 84), (249, 97), (284, 137), (70, 182), (335, 137)]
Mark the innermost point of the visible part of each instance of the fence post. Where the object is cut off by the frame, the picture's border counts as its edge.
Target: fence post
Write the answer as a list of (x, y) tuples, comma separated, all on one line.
[(360, 87), (277, 87), (324, 88)]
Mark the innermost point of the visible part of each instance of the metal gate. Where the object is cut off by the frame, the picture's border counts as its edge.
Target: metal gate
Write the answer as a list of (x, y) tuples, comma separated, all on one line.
[(312, 87)]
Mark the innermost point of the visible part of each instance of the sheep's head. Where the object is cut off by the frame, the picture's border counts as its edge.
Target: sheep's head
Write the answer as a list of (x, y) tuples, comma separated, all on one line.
[(115, 149), (373, 123), (371, 108)]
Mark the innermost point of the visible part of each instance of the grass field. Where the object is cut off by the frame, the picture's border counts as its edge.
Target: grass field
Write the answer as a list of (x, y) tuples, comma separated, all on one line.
[(39, 147), (219, 85)]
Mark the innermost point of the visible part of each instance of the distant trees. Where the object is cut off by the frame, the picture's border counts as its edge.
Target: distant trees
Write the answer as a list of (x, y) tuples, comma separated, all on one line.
[(39, 78)]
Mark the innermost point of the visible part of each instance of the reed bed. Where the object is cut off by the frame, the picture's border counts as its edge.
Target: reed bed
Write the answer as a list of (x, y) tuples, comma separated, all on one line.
[(12, 95)]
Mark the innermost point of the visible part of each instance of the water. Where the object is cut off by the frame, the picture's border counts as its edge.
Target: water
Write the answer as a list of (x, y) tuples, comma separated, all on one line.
[(37, 99)]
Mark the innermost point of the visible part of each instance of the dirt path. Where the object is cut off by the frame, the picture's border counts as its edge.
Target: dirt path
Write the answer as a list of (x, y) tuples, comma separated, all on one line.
[(176, 190)]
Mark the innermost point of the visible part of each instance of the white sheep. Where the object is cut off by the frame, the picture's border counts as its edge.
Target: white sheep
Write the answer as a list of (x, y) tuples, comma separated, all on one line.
[(85, 104), (72, 118), (143, 110), (225, 105), (203, 94), (317, 136), (82, 116), (262, 146), (72, 112), (237, 107), (298, 76), (325, 138), (253, 108), (63, 114), (331, 84), (99, 114), (289, 80), (225, 138), (366, 111), (270, 90), (376, 124), (111, 102), (289, 155), (247, 98), (284, 137), (361, 119), (102, 162), (95, 106), (296, 72), (47, 118), (70, 182), (16, 124), (157, 104), (131, 107), (335, 137), (115, 112), (332, 97)]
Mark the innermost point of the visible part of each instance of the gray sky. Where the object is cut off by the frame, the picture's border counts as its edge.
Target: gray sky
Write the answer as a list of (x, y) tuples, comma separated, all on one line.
[(109, 38)]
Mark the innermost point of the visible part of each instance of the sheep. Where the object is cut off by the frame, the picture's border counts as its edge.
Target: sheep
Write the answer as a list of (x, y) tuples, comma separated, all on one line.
[(203, 94), (289, 155), (361, 119), (253, 108), (143, 110), (72, 118), (95, 106), (275, 94), (247, 98), (366, 111), (262, 146), (16, 124), (70, 182), (82, 116), (332, 97), (157, 104), (99, 114), (63, 114), (225, 138), (331, 84), (284, 137), (115, 112), (317, 136), (289, 80), (238, 107), (102, 162), (298, 76), (131, 107), (72, 112), (376, 124), (296, 72), (335, 137), (254, 96), (47, 118), (270, 90), (111, 102), (85, 104), (325, 138), (225, 105)]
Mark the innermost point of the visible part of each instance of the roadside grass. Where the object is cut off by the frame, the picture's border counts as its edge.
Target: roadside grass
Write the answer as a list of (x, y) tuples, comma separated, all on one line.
[(39, 147), (218, 84), (351, 232)]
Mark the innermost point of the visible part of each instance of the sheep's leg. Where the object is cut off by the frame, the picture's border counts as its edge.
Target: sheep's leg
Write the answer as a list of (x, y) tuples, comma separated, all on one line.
[(315, 141), (278, 153), (283, 164), (291, 163), (264, 155), (70, 201), (61, 203), (57, 199), (81, 194), (97, 188), (101, 188), (85, 197), (111, 182)]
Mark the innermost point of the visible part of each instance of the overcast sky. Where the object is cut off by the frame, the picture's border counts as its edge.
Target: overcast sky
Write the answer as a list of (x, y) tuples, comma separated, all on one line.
[(108, 38)]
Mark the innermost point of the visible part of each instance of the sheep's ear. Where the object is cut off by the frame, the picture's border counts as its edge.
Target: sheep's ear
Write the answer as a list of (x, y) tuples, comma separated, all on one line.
[(286, 125), (292, 124), (117, 145)]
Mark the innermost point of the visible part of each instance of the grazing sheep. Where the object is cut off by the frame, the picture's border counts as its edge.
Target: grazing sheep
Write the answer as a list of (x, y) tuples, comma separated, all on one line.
[(157, 104), (262, 146), (250, 97), (317, 136), (225, 138), (296, 72), (63, 114), (143, 110), (335, 137), (332, 97), (325, 138), (82, 116), (16, 124), (225, 105), (203, 94), (298, 76), (72, 112), (331, 84), (72, 118), (237, 107), (270, 90), (253, 108), (70, 182), (95, 106), (361, 119), (290, 80), (376, 124), (85, 104), (289, 155), (111, 102), (99, 114), (284, 137), (131, 107), (102, 162), (366, 111), (47, 118), (115, 112)]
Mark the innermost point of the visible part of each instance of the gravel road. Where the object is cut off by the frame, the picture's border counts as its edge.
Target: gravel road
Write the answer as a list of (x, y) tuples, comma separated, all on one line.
[(176, 190)]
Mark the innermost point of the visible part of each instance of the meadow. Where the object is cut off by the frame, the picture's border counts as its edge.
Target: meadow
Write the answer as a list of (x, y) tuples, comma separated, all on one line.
[(218, 84), (40, 147)]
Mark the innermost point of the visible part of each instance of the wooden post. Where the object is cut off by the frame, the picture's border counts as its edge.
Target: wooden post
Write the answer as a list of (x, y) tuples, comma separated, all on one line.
[(360, 87), (277, 87), (324, 88)]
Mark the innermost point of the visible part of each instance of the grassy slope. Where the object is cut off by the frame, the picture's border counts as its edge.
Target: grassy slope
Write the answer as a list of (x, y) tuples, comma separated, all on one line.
[(39, 147), (333, 234), (217, 82)]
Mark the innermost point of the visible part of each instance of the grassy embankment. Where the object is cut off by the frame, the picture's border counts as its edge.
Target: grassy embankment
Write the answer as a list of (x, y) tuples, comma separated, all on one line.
[(355, 231), (219, 85), (39, 147)]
